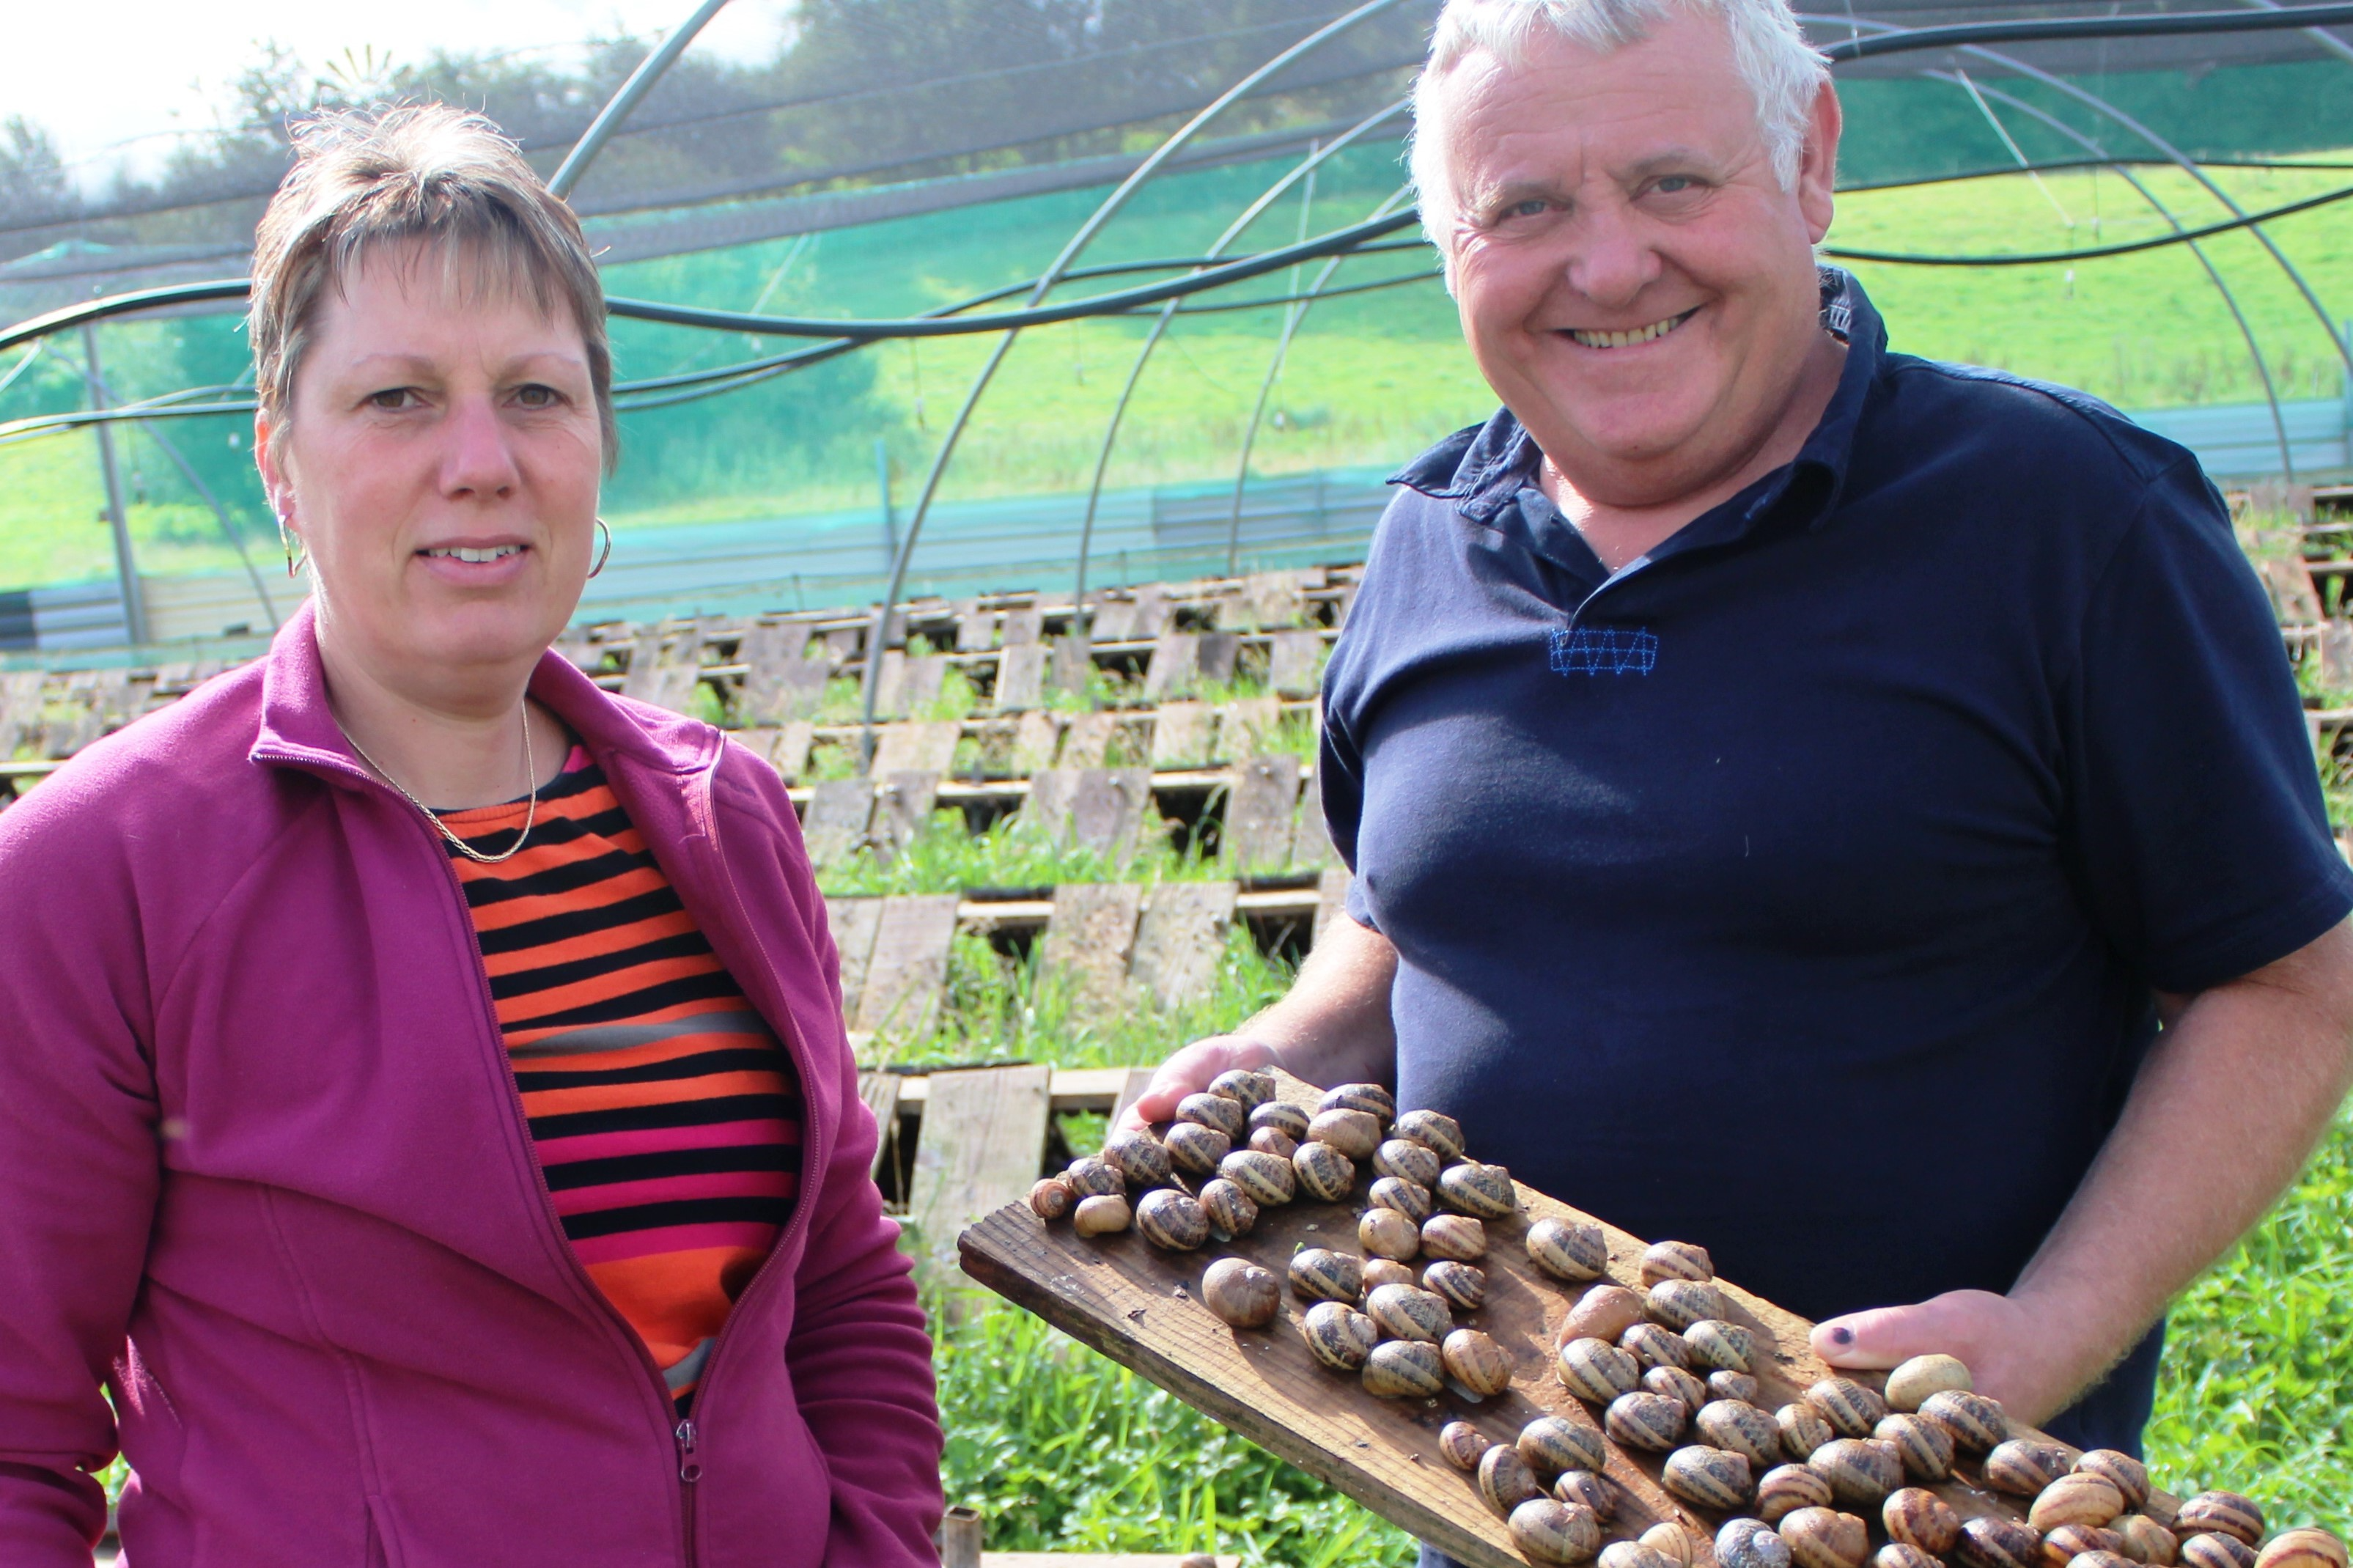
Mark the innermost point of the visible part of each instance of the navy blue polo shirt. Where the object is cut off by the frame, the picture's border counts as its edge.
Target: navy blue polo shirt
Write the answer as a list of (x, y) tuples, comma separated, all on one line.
[(1802, 889)]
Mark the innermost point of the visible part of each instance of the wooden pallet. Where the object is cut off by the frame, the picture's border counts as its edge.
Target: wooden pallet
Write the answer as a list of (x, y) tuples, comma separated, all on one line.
[(1140, 1308)]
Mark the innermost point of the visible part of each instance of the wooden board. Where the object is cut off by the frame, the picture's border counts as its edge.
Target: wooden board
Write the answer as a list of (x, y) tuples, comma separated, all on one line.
[(879, 1092), (852, 922), (1153, 614), (1048, 804), (1089, 937), (1218, 654), (790, 751), (924, 748), (890, 686), (1244, 727), (1020, 677), (1035, 736), (1259, 811), (1176, 663), (1180, 937), (1107, 811), (1311, 836), (839, 811), (1113, 620), (1087, 743), (983, 1143), (1141, 1308), (1294, 662), (926, 676), (1331, 898), (1181, 735), (902, 993), (901, 810), (1072, 662), (975, 628), (1022, 626)]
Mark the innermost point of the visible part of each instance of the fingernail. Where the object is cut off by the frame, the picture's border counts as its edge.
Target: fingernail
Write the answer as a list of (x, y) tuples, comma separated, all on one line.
[(1841, 1335)]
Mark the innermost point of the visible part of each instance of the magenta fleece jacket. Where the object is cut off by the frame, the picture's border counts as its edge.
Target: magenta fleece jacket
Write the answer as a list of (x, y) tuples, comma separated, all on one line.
[(263, 1171)]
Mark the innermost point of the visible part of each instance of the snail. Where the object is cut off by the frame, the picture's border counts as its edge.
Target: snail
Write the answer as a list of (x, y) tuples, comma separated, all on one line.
[(1708, 1478), (2211, 1549), (2122, 1471), (1338, 1335), (1476, 1362), (1676, 1260), (2305, 1548), (1597, 1369), (1266, 1180), (1231, 1211), (1100, 1215), (2064, 1543), (1196, 1149), (1677, 1384), (1924, 1449), (1380, 1271), (1852, 1409), (1918, 1517), (1723, 1384), (1651, 1422), (2095, 1558), (1824, 1538), (1463, 1284), (1604, 1312), (1405, 1312), (1252, 1090), (1910, 1384), (1453, 1236), (1282, 1116), (1575, 1252), (1551, 1445), (1384, 1233), (1675, 1543), (1090, 1178), (1317, 1275), (1861, 1471), (1679, 1303), (1369, 1098), (2146, 1541), (1273, 1140), (1241, 1293), (1324, 1172), (2222, 1513), (1141, 1158), (1441, 1135), (1742, 1427), (1634, 1554), (1803, 1430), (1746, 1543), (1229, 1117), (1051, 1199), (1356, 1134), (1483, 1192), (1462, 1444), (1785, 1488), (1595, 1491), (1719, 1345), (1167, 1218), (1404, 1368), (1407, 1161), (1504, 1480), (2022, 1468), (1976, 1421), (1990, 1541), (1395, 1193), (1547, 1530), (1896, 1554), (2077, 1499), (1654, 1346)]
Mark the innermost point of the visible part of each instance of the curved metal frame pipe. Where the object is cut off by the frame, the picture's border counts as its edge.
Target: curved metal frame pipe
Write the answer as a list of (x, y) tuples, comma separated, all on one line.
[(641, 81)]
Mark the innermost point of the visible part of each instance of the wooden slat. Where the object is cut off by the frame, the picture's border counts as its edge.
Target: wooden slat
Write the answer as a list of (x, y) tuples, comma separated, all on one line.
[(1098, 1560), (1131, 1089), (901, 810), (1310, 835), (1218, 655), (1049, 803), (928, 748), (983, 1141), (1244, 727), (1153, 614), (1107, 811), (879, 1091), (1099, 1090), (1330, 898), (1020, 677), (853, 922), (1183, 735), (901, 995), (1294, 660), (1088, 739), (1022, 626), (1176, 664), (1034, 737), (791, 750), (1180, 937), (839, 811), (1090, 938), (1258, 828)]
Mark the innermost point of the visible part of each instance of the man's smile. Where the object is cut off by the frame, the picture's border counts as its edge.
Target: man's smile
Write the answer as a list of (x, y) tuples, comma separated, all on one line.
[(1626, 340)]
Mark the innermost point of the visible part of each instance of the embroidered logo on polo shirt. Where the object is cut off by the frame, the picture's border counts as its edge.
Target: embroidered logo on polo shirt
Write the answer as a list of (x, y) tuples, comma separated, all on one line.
[(1604, 650)]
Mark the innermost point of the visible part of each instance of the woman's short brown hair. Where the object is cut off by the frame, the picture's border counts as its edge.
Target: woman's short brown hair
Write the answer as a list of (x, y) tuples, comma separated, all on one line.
[(418, 172)]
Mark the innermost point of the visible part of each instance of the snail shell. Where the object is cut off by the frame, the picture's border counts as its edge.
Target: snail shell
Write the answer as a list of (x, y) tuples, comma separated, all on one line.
[(1167, 1218), (1100, 1215), (1231, 1211), (1483, 1192), (1404, 1368), (1406, 1312), (2122, 1471), (1338, 1335), (1317, 1275), (1454, 1236), (1092, 1178), (1598, 1369), (1369, 1098), (1324, 1172), (1196, 1149), (1252, 1090), (1677, 1384), (2306, 1548), (2146, 1541), (1281, 1116), (1861, 1471), (2212, 1548), (1140, 1158), (1228, 1116), (1551, 1445), (1356, 1134), (2062, 1545), (1574, 1251), (1441, 1135), (1786, 1489), (1395, 1193), (1918, 1517), (1266, 1180), (1462, 1444), (1476, 1362), (1051, 1199), (1407, 1160), (1504, 1480), (1746, 1543), (2222, 1513), (1599, 1492), (1380, 1271), (1803, 1430), (1896, 1554), (1974, 1421), (1924, 1449), (1675, 1543), (1740, 1427), (1726, 1347), (1461, 1284), (1679, 1303), (1634, 1554), (1604, 1312), (1824, 1538), (1273, 1140), (1993, 1541), (1241, 1293), (2075, 1499), (1547, 1530), (1852, 1409), (1709, 1477), (2022, 1468), (1384, 1233), (1676, 1260), (1651, 1422), (1723, 1384), (2094, 1558), (1654, 1346), (1910, 1384)]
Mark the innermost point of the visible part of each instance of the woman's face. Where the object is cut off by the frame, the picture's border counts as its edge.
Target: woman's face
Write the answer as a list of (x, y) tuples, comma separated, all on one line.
[(440, 465)]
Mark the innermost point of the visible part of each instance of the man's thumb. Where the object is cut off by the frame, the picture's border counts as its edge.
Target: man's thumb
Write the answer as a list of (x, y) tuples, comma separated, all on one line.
[(1876, 1339)]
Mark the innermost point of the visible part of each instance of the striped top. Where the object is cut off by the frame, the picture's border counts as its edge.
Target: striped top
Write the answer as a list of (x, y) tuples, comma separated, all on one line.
[(664, 1114)]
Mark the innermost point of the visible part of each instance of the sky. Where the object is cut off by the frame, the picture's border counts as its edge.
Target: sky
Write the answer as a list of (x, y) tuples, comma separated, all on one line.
[(113, 81)]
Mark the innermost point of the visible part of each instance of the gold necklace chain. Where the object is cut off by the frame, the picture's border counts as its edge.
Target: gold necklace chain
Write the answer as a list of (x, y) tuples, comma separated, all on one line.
[(531, 813)]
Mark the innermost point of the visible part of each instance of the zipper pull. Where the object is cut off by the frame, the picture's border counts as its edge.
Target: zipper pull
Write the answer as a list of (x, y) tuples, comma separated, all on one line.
[(690, 1468)]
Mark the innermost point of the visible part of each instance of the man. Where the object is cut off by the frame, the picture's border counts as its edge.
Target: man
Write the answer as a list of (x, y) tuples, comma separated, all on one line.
[(1788, 781)]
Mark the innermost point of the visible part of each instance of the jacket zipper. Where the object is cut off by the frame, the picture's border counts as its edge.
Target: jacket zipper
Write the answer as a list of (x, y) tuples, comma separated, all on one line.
[(690, 1473)]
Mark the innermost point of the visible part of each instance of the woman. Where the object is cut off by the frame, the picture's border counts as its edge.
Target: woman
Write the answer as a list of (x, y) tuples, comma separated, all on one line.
[(424, 1103)]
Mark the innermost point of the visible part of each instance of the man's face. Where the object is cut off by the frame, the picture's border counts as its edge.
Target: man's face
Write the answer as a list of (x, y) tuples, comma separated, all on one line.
[(1634, 280)]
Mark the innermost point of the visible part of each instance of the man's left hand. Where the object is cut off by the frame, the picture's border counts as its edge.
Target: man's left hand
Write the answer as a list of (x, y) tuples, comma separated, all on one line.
[(2007, 1350)]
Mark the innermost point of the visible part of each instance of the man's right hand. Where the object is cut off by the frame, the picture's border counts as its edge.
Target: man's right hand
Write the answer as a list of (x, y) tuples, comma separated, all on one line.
[(1189, 1071)]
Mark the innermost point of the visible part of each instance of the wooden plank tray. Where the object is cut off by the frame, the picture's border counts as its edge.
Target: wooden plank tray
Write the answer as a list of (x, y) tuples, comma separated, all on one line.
[(1140, 1307)]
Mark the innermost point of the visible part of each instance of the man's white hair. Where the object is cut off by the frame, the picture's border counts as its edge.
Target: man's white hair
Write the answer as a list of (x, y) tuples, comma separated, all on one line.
[(1782, 70)]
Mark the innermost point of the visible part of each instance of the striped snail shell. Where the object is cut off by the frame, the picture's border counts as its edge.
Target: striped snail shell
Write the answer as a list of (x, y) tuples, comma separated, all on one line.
[(1441, 1135), (1463, 1284), (1742, 1427), (1677, 1384), (1265, 1180), (1104, 1214), (2075, 1499), (1169, 1219), (1803, 1430), (1726, 1347), (1407, 1160), (1924, 1449), (2222, 1513), (1852, 1409), (2095, 1558), (1785, 1488), (1746, 1544), (1241, 1293), (1273, 1140), (1229, 1117), (1369, 1098), (2022, 1468), (1092, 1178), (1283, 1117), (1910, 1384), (1483, 1192), (1356, 1134), (1896, 1554), (1550, 1444), (1231, 1211), (1395, 1193), (1918, 1517), (1196, 1149), (2122, 1471), (1051, 1199), (1384, 1233), (1504, 1480), (1476, 1362), (1406, 1312), (2212, 1548), (1679, 1303), (1453, 1235), (2146, 1541), (1598, 1371), (1679, 1545), (2062, 1544), (1709, 1477), (1338, 1335), (1634, 1554), (1404, 1368), (1990, 1541), (1317, 1275), (1824, 1538), (1676, 1260), (1654, 1346), (1324, 1172), (1974, 1421), (1861, 1471), (1575, 1252), (1723, 1384), (2306, 1548), (1651, 1422), (1380, 1271), (1141, 1158), (1595, 1491), (1547, 1530), (1462, 1444), (1250, 1089), (1603, 1313)]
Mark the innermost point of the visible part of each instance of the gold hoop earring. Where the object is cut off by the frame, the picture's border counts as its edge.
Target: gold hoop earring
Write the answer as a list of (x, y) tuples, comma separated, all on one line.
[(295, 559), (604, 554)]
